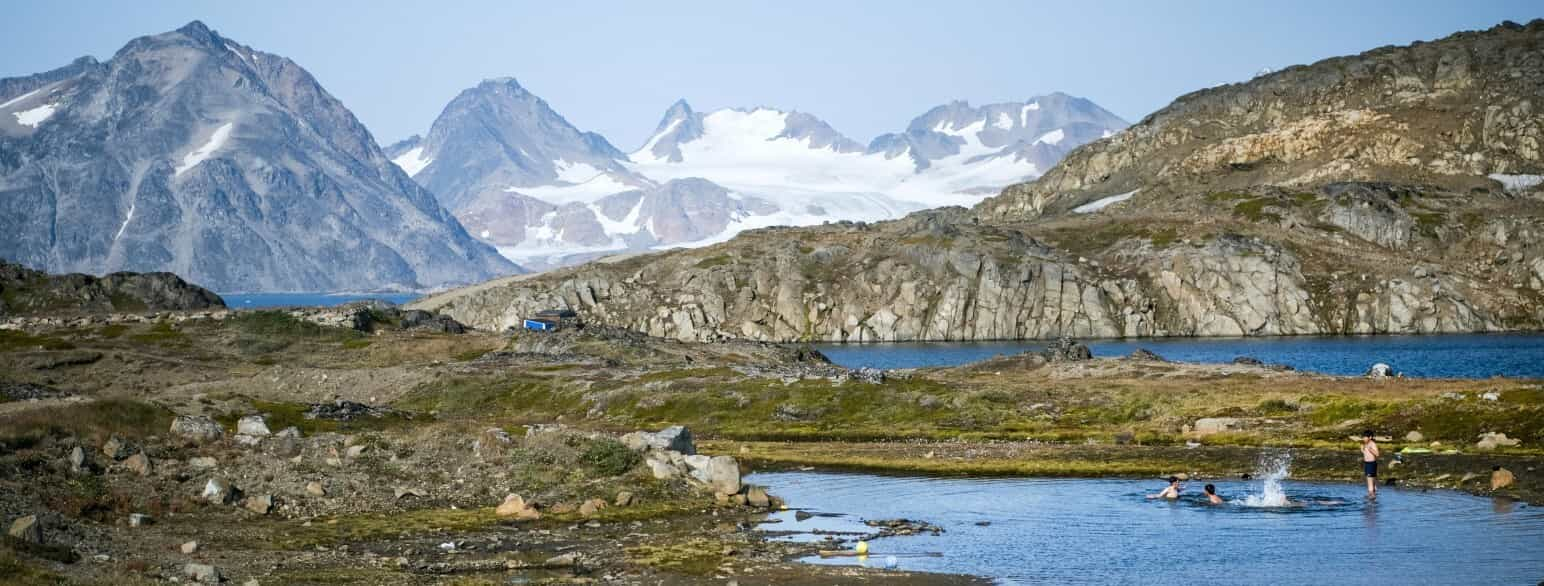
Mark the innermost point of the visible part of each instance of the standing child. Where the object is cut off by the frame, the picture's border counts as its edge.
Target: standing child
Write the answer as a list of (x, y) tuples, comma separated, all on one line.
[(1370, 463)]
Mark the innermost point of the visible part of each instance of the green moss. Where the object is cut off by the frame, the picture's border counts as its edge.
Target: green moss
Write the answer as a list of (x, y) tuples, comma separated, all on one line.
[(1254, 210), (96, 419), (163, 333), (20, 573), (112, 331), (1429, 224), (715, 261), (19, 341), (697, 557), (1226, 196)]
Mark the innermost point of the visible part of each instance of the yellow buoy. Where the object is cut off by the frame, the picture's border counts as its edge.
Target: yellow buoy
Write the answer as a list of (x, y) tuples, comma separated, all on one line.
[(862, 547)]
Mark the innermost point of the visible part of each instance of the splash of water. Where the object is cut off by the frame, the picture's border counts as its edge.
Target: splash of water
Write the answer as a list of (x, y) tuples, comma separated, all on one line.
[(1272, 469)]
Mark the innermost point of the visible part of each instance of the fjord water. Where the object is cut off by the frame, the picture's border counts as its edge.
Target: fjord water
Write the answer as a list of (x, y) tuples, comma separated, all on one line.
[(262, 300), (1435, 356), (1104, 531)]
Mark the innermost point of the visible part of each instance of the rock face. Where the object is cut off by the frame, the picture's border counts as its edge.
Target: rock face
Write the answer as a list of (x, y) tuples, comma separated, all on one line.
[(191, 153), (1449, 112), (25, 291), (1323, 226)]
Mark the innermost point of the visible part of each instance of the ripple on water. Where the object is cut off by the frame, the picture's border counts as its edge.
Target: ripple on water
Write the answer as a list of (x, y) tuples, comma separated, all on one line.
[(1103, 530)]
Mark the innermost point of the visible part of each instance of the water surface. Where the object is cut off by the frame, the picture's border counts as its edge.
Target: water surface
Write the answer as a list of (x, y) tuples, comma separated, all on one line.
[(261, 300), (1075, 531), (1436, 356)]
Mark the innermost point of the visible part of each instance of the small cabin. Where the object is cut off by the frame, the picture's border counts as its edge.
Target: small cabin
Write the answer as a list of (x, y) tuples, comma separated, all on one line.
[(551, 320), (540, 325)]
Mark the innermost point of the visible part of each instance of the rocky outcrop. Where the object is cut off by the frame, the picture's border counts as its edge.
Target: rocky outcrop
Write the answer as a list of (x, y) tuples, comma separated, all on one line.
[(1451, 112), (24, 291)]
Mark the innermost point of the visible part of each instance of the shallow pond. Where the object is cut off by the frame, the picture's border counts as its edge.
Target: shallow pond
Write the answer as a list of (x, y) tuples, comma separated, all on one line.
[(1439, 356), (1061, 531)]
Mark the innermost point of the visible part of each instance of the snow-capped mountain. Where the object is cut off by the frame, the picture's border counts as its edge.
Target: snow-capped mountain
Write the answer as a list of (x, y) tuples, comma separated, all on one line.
[(546, 193), (192, 153)]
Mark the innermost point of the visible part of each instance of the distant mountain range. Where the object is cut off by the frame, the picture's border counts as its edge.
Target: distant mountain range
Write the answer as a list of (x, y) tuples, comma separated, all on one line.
[(192, 153), (524, 179)]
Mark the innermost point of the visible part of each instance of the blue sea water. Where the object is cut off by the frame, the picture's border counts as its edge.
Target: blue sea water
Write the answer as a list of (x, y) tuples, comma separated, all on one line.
[(1436, 356), (262, 300)]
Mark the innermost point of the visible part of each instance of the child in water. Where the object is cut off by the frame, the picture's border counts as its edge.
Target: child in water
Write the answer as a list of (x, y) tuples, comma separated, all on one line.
[(1211, 495), (1370, 463), (1171, 492)]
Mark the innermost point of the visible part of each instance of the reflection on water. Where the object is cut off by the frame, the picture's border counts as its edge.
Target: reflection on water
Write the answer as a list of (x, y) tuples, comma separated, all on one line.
[(1058, 531), (1450, 356)]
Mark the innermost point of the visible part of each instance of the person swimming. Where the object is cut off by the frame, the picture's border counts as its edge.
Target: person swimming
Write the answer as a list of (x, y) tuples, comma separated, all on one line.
[(1170, 492), (1211, 495)]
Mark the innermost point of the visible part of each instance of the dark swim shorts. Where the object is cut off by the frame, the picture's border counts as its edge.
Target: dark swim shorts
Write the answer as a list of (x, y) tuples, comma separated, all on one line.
[(1370, 469)]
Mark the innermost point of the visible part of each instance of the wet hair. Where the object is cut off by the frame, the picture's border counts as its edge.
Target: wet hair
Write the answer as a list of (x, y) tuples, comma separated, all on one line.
[(1367, 433), (1173, 479), (1495, 468), (1211, 489)]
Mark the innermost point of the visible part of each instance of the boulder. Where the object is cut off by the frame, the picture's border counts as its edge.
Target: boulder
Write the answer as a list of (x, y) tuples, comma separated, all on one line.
[(260, 504), (592, 506), (675, 438), (78, 461), (757, 497), (1208, 425), (1067, 350), (253, 425), (515, 506), (1493, 440), (624, 499), (28, 529), (1380, 371), (1415, 437), (202, 573), (724, 474), (197, 428), (115, 449), (314, 488), (661, 467), (219, 492), (138, 464), (1501, 478)]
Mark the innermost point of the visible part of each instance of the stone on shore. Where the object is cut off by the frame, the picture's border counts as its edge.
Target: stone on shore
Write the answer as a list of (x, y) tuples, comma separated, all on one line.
[(675, 438), (1501, 478), (515, 506), (591, 507), (1492, 440), (757, 497)]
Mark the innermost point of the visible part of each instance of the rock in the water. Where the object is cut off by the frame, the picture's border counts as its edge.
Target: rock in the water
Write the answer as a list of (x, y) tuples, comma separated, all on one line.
[(202, 573), (1415, 437), (138, 464), (625, 499), (314, 488), (190, 547), (1207, 425), (1501, 478), (757, 497), (253, 425), (260, 504), (1380, 371), (28, 529), (197, 428), (591, 507), (219, 492), (724, 474)]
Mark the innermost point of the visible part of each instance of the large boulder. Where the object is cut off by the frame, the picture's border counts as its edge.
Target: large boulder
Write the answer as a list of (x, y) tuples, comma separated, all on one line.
[(516, 506), (28, 529), (1067, 350), (675, 438), (197, 428), (1207, 425), (253, 425), (1501, 478)]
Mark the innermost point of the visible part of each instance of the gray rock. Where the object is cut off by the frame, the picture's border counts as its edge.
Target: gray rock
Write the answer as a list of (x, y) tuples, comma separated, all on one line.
[(756, 496), (138, 464), (314, 488), (260, 504), (115, 449), (219, 492), (78, 462), (253, 425), (140, 519), (203, 463), (202, 573), (190, 548), (724, 474), (197, 428), (671, 439)]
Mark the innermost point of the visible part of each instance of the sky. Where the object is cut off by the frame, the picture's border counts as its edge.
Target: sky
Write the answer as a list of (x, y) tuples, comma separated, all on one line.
[(865, 67)]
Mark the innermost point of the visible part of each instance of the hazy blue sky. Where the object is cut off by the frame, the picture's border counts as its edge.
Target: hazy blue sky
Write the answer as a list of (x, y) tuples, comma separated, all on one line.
[(865, 67)]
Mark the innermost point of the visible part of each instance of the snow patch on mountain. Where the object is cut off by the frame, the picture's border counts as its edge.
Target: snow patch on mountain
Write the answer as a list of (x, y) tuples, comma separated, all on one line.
[(412, 161), (1102, 203), (1053, 137), (216, 140), (36, 116)]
